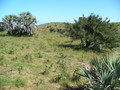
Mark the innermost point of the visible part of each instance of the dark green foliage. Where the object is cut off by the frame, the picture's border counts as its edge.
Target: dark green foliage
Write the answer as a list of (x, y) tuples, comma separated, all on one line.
[(76, 75), (20, 82), (1, 29), (60, 77), (61, 31), (2, 26), (104, 73), (94, 32), (20, 25), (38, 55)]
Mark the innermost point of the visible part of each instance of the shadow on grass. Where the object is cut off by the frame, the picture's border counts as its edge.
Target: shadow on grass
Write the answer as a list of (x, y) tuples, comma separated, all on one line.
[(78, 47), (4, 35), (72, 88)]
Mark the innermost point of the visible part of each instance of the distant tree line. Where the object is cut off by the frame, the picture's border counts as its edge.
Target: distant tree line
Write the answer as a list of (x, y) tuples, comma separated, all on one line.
[(19, 25)]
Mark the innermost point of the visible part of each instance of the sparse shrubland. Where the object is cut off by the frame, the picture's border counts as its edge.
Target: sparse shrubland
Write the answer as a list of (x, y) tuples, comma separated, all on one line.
[(38, 61), (48, 61)]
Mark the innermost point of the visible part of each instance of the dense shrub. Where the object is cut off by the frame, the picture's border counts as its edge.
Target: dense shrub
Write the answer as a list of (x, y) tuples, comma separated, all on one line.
[(94, 32), (20, 25), (1, 29)]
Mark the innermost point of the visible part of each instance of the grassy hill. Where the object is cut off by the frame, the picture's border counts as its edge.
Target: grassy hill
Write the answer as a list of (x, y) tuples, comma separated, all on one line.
[(47, 26), (45, 61)]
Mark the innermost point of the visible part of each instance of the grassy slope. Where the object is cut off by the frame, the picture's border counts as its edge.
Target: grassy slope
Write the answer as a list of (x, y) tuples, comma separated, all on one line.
[(30, 63), (47, 26)]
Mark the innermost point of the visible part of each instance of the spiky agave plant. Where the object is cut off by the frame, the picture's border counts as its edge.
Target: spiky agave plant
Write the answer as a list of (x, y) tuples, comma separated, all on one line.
[(104, 73)]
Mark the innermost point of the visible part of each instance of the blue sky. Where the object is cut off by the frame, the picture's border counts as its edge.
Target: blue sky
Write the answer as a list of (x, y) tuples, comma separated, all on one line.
[(61, 10)]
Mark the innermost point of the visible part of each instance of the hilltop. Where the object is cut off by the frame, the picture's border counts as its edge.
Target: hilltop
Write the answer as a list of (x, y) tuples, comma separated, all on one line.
[(55, 25)]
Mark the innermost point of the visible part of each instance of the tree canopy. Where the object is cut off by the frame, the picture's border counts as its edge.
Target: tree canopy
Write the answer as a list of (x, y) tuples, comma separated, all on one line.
[(94, 32), (20, 25)]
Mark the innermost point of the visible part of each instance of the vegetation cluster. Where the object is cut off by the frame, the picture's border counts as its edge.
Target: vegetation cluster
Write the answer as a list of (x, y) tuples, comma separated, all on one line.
[(65, 56), (19, 25), (94, 32)]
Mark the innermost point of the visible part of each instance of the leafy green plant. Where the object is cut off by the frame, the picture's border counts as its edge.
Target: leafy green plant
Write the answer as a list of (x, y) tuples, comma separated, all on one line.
[(63, 76), (11, 51), (20, 68), (20, 82), (38, 55), (28, 58), (104, 73), (94, 32), (60, 77), (76, 75), (46, 70), (2, 29), (20, 25)]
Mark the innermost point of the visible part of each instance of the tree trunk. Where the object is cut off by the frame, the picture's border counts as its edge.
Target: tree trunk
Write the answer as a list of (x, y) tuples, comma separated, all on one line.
[(30, 31), (87, 44), (82, 42)]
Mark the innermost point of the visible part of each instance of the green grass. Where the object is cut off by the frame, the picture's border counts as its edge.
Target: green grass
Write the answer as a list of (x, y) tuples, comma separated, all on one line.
[(41, 62), (55, 25)]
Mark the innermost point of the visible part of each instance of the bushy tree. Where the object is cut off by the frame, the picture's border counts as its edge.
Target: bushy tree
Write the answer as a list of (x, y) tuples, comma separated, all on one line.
[(20, 25), (27, 21), (94, 32), (10, 21)]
